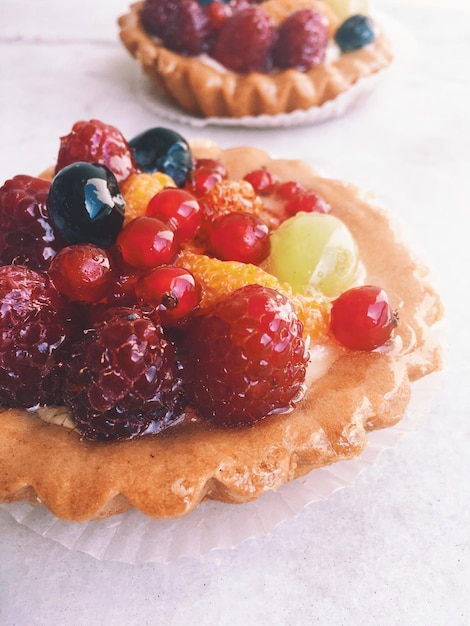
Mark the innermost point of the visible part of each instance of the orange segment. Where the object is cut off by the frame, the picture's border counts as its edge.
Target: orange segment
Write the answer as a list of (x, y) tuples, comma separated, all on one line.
[(219, 278), (139, 189)]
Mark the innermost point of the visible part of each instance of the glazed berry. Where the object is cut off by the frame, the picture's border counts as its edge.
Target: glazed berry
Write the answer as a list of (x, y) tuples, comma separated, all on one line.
[(163, 150), (217, 13), (188, 29), (240, 237), (262, 181), (302, 40), (155, 15), (147, 242), (362, 318), (355, 33), (82, 273), (289, 190), (246, 359), (34, 326), (123, 378), (244, 41), (205, 175), (180, 209), (308, 202), (27, 236), (173, 291), (125, 277), (96, 142), (86, 205)]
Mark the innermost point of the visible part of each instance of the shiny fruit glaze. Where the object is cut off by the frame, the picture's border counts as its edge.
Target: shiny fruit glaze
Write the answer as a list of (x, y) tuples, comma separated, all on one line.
[(147, 242), (246, 359), (240, 237), (362, 318), (180, 209), (142, 296), (173, 291)]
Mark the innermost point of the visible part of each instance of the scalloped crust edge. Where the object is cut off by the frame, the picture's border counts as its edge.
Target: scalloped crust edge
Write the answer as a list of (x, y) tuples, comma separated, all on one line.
[(168, 475), (204, 90)]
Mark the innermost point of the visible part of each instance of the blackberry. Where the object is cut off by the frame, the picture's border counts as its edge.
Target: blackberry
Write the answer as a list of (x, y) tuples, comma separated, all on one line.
[(123, 378)]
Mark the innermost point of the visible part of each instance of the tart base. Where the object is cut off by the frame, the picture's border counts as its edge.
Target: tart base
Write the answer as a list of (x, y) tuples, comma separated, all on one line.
[(204, 89), (169, 474)]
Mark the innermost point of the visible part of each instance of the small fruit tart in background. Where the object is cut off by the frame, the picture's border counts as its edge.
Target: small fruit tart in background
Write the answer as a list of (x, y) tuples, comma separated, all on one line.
[(235, 59)]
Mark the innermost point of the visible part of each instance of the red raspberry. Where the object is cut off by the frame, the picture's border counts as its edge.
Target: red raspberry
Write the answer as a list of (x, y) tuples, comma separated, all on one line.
[(34, 327), (302, 40), (96, 142), (123, 378), (188, 29), (246, 359), (244, 41), (26, 233)]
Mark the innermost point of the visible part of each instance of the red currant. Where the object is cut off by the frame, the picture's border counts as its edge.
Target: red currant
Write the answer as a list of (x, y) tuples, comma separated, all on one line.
[(362, 318), (218, 12), (241, 237), (180, 209), (308, 202), (289, 190), (172, 290), (261, 180), (205, 175), (147, 242), (82, 273)]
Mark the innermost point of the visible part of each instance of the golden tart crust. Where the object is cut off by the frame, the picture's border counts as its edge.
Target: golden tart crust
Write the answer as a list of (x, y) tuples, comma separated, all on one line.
[(206, 90), (169, 474)]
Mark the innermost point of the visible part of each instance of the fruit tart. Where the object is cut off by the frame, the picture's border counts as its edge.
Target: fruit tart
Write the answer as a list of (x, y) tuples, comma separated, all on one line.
[(181, 323), (218, 59)]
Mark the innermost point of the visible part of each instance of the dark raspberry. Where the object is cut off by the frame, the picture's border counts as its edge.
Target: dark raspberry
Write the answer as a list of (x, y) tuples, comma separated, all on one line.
[(96, 142), (302, 40), (355, 33), (123, 378), (27, 236), (244, 41), (246, 359), (188, 29), (34, 328), (155, 15)]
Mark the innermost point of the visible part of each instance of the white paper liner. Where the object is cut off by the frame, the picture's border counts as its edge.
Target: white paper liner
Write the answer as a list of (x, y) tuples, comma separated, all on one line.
[(156, 102), (134, 538)]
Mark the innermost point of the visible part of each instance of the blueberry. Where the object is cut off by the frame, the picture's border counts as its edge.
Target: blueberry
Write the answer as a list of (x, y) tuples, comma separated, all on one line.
[(85, 204), (163, 150), (355, 33)]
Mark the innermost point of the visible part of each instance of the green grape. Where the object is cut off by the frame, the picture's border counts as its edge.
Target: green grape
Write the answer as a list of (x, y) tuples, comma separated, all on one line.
[(314, 251)]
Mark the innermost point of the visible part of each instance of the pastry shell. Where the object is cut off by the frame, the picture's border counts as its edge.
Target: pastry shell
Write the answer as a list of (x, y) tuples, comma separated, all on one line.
[(169, 474), (208, 90)]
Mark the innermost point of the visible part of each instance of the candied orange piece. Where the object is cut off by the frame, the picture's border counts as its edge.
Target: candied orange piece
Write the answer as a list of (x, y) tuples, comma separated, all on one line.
[(228, 196), (139, 189), (219, 278)]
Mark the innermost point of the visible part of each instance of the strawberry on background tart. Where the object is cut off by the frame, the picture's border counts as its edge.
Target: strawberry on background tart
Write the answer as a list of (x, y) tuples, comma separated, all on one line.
[(181, 323), (242, 58)]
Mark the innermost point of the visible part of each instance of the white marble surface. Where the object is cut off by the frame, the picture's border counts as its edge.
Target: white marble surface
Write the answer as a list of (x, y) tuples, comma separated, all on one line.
[(394, 547)]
